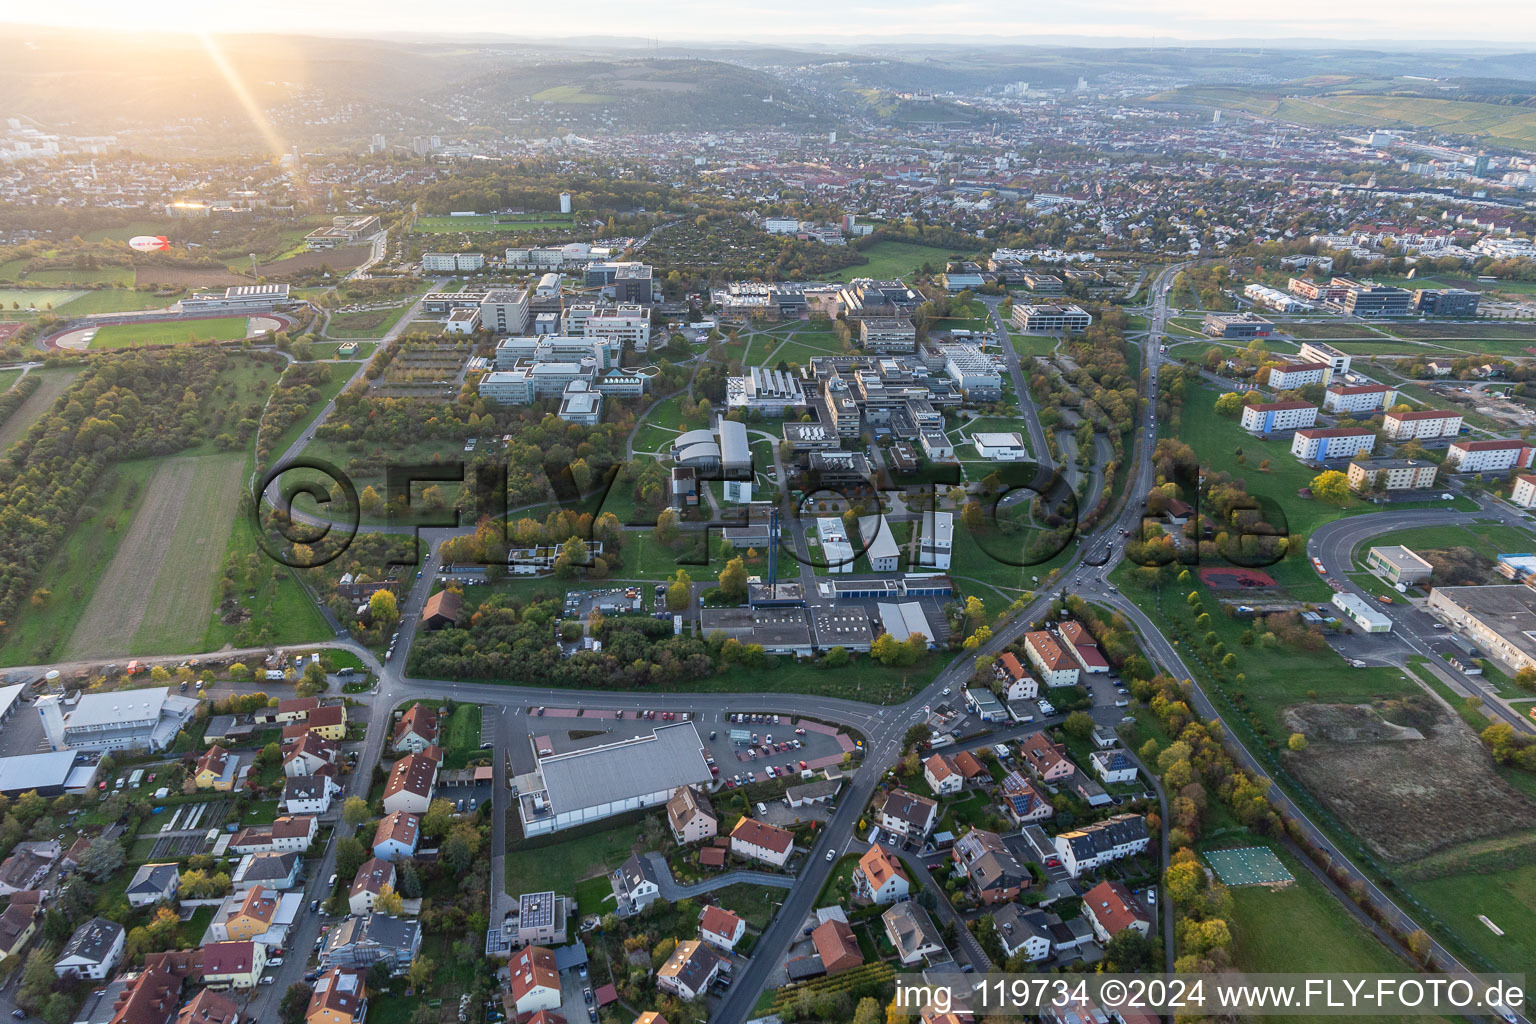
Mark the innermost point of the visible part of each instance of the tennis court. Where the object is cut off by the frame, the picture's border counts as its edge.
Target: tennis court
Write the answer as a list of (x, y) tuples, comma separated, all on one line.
[(1248, 865)]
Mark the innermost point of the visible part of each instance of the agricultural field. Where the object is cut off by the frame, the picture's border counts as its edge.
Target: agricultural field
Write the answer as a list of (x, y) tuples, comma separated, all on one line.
[(113, 276), (180, 332), (16, 300), (169, 555), (492, 222), (890, 260)]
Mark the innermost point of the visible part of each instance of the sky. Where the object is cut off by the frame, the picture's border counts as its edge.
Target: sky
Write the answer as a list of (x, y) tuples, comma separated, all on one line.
[(1500, 22)]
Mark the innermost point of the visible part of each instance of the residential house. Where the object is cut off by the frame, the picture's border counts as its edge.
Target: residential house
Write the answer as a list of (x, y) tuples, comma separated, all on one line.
[(208, 1007), (293, 709), (416, 730), (534, 981), (689, 971), (1111, 908), (836, 945), (541, 919), (18, 923), (1024, 801), (27, 865), (1083, 647), (148, 997), (288, 834), (397, 836), (879, 877), (233, 964), (635, 884), (309, 794), (721, 928), (969, 766), (691, 816), (340, 997), (912, 932), (756, 840), (1048, 659), (1018, 683), (907, 814), (370, 882), (1113, 766), (993, 872), (310, 754), (817, 791), (412, 781), (216, 770), (329, 721), (1023, 930), (942, 775), (364, 941), (1082, 849), (275, 871), (1047, 760), (252, 916), (92, 952), (153, 883)]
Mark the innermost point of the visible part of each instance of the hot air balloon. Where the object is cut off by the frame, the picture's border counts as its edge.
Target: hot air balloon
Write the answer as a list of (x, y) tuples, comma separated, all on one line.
[(150, 243)]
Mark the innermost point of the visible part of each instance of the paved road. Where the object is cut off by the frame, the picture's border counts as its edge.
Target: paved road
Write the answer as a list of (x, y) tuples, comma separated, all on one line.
[(1037, 445), (672, 891)]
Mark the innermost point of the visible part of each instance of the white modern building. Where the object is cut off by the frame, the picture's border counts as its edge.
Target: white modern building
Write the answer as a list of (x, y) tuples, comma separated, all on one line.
[(1524, 493), (451, 262), (770, 392), (1317, 352), (1361, 613), (975, 372), (119, 720), (580, 403), (879, 545), (1000, 447), (836, 549), (629, 324), (1352, 398), (937, 540)]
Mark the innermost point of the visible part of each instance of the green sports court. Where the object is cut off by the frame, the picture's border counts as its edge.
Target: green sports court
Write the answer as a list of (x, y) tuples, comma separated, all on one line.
[(1248, 865)]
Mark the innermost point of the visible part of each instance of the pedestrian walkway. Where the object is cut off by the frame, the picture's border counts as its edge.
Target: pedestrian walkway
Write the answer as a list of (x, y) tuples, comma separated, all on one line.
[(672, 891)]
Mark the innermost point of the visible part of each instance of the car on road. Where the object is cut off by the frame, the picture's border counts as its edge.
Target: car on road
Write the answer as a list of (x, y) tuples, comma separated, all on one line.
[(269, 980), (831, 855), (947, 691), (276, 961)]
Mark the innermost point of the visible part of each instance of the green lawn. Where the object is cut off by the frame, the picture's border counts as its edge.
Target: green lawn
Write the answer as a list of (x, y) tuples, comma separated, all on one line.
[(461, 736), (559, 866), (890, 259), (182, 332), (754, 904), (490, 222), (1487, 539), (1506, 897), (75, 275), (1266, 925), (370, 324), (8, 378), (114, 300)]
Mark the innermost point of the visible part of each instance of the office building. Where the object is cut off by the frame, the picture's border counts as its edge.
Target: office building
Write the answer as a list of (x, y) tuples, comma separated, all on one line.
[(1272, 298), (1362, 613), (1000, 447), (1237, 325), (627, 324), (879, 545), (770, 392), (1269, 417), (1323, 293), (579, 403), (887, 334), (1375, 300), (1445, 302), (1050, 319), (1500, 619), (345, 230), (1317, 352), (1524, 492), (451, 262), (1422, 425), (505, 310), (1335, 443)]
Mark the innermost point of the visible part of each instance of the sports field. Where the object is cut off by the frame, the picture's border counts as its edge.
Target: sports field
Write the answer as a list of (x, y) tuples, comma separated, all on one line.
[(179, 332), (1248, 865), (158, 592)]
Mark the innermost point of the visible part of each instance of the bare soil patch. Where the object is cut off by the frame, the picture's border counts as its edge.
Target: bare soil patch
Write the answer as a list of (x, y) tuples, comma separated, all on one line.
[(188, 278), (337, 259), (1407, 777)]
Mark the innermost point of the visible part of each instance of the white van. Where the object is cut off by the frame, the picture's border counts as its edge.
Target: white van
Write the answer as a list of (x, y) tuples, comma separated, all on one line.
[(762, 810)]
